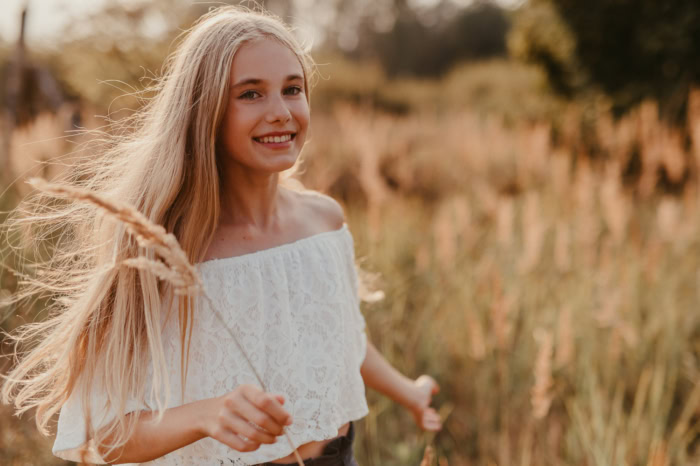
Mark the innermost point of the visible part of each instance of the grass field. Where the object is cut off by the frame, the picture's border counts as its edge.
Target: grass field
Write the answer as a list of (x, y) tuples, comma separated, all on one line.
[(547, 275)]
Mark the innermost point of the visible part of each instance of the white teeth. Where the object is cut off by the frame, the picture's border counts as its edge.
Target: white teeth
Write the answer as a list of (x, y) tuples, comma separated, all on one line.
[(269, 139)]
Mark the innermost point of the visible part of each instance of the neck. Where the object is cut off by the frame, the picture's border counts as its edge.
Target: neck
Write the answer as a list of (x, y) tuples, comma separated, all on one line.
[(249, 198)]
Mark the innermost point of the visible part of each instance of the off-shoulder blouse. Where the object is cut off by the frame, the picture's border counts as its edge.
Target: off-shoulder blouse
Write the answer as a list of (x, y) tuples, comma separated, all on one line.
[(295, 310)]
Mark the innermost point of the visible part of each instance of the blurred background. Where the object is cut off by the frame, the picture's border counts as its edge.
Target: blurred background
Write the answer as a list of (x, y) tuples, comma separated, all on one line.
[(522, 181)]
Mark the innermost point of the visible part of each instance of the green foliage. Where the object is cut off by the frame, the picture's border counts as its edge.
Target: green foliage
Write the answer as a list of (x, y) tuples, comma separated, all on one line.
[(636, 49), (632, 50), (540, 36), (428, 43)]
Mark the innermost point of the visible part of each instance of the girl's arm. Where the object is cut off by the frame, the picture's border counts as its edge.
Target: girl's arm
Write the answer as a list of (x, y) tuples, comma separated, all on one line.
[(415, 395), (223, 418)]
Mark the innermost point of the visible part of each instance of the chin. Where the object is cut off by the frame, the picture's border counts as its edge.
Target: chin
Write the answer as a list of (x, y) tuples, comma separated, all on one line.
[(282, 164)]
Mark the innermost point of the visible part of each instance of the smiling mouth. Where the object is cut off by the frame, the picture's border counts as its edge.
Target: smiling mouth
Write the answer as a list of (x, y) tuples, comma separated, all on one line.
[(273, 140)]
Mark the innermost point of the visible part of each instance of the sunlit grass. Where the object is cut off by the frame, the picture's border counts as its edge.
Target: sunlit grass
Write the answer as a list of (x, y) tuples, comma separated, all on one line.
[(551, 288)]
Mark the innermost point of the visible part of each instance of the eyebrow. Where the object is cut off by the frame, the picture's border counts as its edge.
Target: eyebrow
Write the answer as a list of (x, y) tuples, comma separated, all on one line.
[(255, 81)]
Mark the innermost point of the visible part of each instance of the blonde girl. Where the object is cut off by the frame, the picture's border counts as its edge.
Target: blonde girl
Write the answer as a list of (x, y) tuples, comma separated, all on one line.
[(141, 377)]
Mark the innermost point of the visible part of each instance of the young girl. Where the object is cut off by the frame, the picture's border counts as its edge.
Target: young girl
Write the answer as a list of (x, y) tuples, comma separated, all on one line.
[(142, 377)]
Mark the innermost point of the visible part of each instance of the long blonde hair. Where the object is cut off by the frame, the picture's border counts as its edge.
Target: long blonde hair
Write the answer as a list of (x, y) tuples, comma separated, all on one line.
[(104, 322)]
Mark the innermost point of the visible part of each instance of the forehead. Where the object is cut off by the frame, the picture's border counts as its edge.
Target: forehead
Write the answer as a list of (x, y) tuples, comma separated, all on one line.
[(265, 59)]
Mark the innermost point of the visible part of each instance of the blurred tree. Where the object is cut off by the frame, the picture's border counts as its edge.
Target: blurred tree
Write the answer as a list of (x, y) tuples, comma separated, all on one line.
[(27, 88), (631, 49), (539, 35), (409, 40)]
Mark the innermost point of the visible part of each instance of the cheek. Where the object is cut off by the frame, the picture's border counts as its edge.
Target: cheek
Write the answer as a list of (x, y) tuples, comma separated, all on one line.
[(233, 133), (237, 125), (301, 114)]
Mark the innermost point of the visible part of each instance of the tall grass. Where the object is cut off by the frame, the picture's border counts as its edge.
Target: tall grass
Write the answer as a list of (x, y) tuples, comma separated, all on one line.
[(546, 273), (551, 287)]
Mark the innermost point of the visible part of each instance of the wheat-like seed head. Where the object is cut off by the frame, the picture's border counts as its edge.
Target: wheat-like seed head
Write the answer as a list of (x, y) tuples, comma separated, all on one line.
[(176, 268)]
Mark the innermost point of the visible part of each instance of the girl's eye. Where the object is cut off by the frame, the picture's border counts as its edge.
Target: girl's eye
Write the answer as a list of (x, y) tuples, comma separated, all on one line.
[(249, 95), (293, 90)]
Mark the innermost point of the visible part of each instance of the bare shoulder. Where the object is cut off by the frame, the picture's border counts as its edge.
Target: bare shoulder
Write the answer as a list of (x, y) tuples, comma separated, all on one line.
[(324, 210)]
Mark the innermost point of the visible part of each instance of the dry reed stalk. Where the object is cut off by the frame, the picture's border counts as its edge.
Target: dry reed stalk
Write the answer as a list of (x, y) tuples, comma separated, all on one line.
[(651, 146), (605, 130), (571, 128), (562, 246), (428, 456), (668, 217), (694, 124), (175, 268), (367, 137), (586, 222), (625, 137), (486, 197), (462, 221), (560, 166), (500, 147), (565, 338), (534, 229), (500, 309), (465, 137), (534, 141), (541, 396), (505, 219), (658, 455), (422, 258), (445, 238), (615, 206), (477, 342), (616, 138), (672, 153), (607, 316)]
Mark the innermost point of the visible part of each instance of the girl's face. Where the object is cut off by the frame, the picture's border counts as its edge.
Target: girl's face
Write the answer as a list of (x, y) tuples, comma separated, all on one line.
[(267, 115)]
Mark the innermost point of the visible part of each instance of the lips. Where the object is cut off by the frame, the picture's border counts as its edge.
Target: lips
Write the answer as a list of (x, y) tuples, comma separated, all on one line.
[(275, 138)]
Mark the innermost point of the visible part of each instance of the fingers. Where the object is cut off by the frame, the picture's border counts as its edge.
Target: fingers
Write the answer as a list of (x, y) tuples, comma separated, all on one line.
[(247, 410), (248, 417), (431, 420), (243, 428), (269, 405), (234, 441), (427, 381)]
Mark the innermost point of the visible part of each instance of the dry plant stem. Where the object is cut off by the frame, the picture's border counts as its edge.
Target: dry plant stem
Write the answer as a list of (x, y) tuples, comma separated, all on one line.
[(428, 456), (176, 268)]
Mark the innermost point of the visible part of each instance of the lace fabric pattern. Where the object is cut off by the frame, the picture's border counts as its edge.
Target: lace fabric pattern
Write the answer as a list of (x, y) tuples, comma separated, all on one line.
[(295, 310)]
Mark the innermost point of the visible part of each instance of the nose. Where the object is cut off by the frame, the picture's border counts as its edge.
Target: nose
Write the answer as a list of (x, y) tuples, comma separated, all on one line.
[(278, 110)]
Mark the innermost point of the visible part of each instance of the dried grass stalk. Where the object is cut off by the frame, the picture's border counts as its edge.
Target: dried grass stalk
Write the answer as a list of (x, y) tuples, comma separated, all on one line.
[(174, 268), (541, 396), (428, 456)]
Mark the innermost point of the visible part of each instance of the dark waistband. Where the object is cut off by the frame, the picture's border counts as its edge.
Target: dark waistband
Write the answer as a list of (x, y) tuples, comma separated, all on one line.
[(338, 452)]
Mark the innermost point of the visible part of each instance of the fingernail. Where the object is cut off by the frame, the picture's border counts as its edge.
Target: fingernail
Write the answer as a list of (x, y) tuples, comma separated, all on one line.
[(289, 422)]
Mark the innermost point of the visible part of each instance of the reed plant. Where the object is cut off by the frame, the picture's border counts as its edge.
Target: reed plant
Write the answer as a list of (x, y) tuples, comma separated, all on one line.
[(545, 272)]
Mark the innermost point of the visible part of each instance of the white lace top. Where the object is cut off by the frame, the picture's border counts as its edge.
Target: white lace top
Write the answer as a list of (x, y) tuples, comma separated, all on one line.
[(295, 310)]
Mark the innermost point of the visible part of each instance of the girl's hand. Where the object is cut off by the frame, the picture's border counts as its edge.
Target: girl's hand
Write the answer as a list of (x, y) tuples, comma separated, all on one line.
[(228, 418), (426, 417)]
